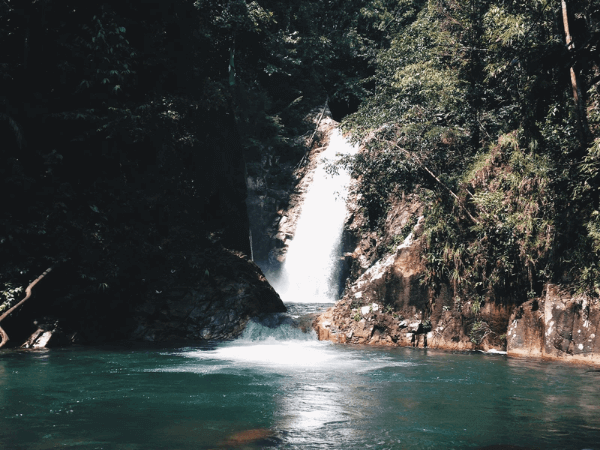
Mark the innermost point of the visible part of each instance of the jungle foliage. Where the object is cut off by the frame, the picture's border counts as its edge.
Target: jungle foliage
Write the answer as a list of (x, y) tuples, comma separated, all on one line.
[(489, 111), (120, 121)]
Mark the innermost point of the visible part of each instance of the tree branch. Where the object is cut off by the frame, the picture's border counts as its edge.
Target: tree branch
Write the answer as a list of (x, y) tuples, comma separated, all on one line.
[(310, 142), (458, 202), (575, 82), (3, 336)]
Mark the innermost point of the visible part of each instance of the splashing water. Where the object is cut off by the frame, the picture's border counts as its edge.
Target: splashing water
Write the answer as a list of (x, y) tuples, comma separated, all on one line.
[(311, 272)]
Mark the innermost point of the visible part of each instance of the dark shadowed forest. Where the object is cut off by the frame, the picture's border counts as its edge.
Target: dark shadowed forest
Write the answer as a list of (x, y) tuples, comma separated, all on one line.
[(127, 129)]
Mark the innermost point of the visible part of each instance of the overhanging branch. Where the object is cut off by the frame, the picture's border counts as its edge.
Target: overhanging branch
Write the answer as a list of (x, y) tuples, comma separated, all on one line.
[(424, 167), (3, 336)]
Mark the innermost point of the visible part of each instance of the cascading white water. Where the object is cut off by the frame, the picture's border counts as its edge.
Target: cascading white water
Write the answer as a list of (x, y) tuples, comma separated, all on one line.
[(311, 272)]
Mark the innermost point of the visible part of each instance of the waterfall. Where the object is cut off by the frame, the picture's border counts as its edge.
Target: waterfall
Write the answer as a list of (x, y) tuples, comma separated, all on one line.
[(311, 272)]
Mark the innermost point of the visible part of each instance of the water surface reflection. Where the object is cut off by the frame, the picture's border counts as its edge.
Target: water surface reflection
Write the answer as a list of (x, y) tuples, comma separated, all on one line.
[(292, 393)]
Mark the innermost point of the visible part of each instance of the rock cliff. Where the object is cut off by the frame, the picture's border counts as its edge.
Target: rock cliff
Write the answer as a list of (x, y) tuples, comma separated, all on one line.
[(387, 303), (557, 326), (169, 254), (216, 305)]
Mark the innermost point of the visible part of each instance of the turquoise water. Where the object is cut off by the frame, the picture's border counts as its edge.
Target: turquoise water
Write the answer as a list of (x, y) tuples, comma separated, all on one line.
[(279, 388)]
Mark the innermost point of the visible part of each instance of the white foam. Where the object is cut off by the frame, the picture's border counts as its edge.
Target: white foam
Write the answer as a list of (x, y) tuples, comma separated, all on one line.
[(281, 356)]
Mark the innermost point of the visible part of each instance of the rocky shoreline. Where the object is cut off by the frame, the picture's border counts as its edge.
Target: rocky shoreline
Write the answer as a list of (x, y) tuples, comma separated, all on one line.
[(199, 304), (213, 294), (386, 304)]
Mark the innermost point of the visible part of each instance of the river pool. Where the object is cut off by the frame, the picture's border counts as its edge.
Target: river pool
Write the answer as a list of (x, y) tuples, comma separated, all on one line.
[(282, 389)]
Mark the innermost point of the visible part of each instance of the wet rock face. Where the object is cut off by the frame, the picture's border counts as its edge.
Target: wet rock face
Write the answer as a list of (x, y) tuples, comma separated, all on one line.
[(556, 327), (386, 303), (217, 306), (268, 195), (50, 333), (276, 189)]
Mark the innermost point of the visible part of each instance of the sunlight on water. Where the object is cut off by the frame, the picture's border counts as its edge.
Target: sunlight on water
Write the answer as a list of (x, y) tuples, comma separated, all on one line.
[(273, 355), (310, 273), (270, 392), (281, 351)]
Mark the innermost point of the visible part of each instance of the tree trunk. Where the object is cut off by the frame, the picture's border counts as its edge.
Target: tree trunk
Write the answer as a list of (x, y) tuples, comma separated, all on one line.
[(575, 82), (3, 336)]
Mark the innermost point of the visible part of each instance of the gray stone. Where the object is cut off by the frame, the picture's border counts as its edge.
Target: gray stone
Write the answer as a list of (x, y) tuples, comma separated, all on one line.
[(206, 334), (414, 327), (556, 327)]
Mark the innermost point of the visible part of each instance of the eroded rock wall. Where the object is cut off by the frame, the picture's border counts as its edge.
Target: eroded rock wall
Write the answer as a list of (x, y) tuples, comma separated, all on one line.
[(386, 303), (557, 326), (389, 305)]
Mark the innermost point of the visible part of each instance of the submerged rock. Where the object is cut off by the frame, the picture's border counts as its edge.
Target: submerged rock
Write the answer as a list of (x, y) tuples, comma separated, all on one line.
[(255, 437)]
